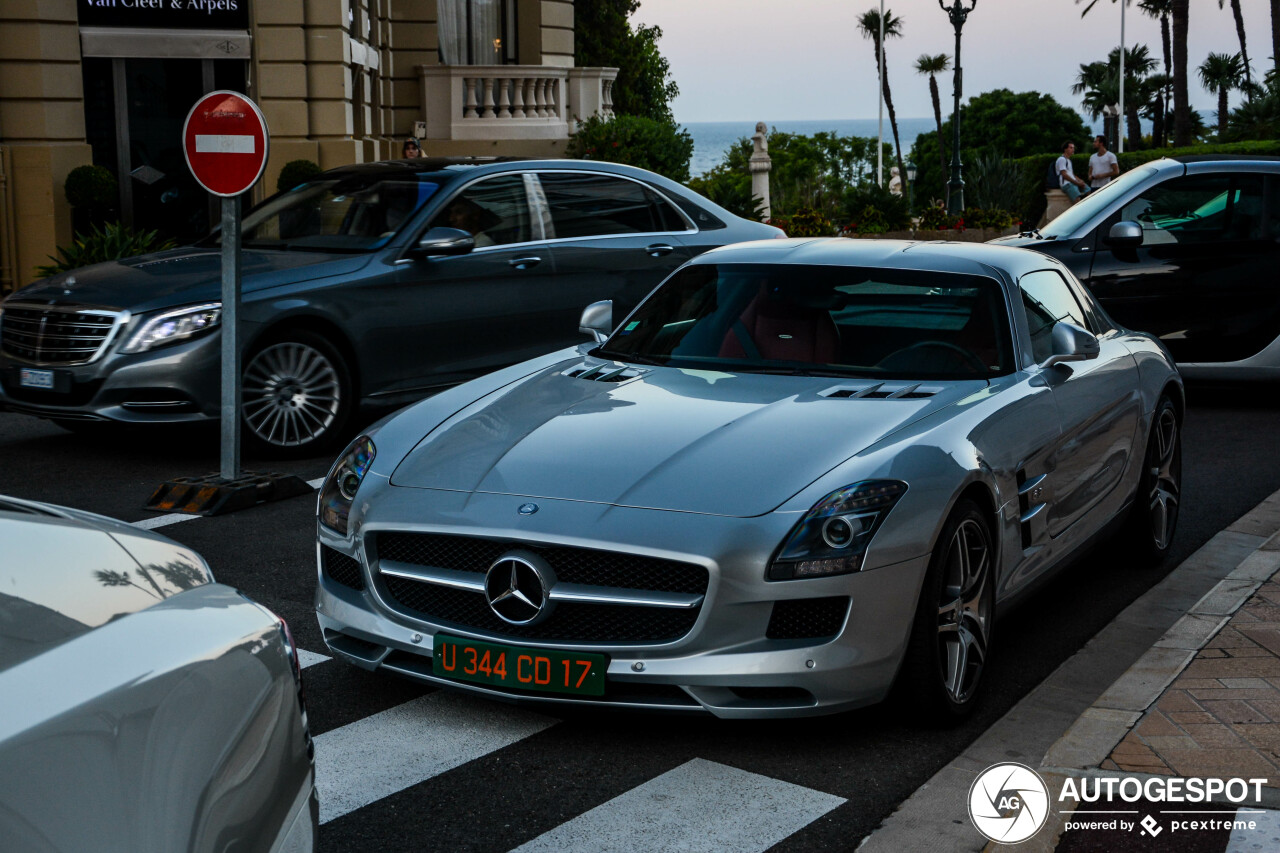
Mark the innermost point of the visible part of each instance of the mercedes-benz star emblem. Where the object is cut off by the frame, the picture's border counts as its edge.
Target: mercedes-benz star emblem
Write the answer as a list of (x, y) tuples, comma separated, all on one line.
[(516, 587), (527, 509)]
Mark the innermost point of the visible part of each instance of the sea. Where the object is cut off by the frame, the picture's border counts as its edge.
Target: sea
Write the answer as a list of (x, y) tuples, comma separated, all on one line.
[(711, 139)]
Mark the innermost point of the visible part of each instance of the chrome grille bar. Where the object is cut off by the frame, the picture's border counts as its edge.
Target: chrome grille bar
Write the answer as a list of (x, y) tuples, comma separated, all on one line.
[(56, 334)]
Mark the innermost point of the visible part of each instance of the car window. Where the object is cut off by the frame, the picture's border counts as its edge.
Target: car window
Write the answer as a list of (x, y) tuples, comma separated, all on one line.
[(1199, 209), (1047, 300), (495, 211), (349, 213), (776, 318), (585, 205)]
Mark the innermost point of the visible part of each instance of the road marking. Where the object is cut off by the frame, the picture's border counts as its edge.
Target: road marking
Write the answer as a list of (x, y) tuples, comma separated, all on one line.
[(316, 483), (1265, 835), (306, 658), (163, 520), (378, 756), (698, 806)]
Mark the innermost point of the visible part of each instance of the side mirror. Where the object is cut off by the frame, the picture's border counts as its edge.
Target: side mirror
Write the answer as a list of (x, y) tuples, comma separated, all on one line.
[(597, 320), (445, 241), (1071, 343), (1125, 235)]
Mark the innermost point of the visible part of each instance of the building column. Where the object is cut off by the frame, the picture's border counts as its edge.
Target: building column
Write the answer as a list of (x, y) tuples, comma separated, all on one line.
[(329, 83), (41, 131), (413, 40), (279, 85)]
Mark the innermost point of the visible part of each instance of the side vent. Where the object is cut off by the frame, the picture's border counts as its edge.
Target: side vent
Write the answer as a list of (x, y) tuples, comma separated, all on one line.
[(606, 372), (882, 391), (1031, 505)]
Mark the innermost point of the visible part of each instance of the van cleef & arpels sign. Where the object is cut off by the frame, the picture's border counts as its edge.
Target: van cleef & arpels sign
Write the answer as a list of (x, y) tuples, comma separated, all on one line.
[(169, 14)]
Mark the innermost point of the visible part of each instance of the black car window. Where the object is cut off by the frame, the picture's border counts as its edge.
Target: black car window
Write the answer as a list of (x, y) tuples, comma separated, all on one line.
[(343, 213), (1047, 300), (495, 211), (585, 205), (1199, 209)]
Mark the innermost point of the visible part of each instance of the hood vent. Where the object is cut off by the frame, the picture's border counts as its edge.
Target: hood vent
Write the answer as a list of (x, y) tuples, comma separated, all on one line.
[(606, 372), (883, 391)]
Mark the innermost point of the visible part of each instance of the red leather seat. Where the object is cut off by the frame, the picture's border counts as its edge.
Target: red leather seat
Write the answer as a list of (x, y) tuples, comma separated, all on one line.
[(781, 331)]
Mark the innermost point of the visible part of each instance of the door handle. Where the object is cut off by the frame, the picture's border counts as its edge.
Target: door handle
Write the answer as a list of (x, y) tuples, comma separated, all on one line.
[(525, 263), (657, 250)]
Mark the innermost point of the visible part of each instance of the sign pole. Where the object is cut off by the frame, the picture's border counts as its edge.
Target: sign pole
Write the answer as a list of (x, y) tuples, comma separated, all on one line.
[(230, 455)]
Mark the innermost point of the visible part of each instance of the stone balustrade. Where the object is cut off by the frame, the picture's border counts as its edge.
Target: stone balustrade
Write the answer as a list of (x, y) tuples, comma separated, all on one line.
[(491, 102)]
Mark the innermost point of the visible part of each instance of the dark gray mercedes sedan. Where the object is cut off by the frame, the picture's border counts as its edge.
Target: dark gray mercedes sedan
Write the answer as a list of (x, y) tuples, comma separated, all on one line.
[(369, 284)]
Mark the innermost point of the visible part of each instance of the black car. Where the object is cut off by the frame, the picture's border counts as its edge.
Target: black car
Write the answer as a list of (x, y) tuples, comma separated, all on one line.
[(1186, 248), (372, 284)]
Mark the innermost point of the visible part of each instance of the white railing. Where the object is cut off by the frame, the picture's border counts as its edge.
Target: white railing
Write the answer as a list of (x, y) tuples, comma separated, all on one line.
[(489, 102)]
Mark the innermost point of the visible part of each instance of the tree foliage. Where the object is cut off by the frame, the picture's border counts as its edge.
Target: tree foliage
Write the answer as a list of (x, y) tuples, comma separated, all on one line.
[(604, 36), (1017, 124), (658, 146)]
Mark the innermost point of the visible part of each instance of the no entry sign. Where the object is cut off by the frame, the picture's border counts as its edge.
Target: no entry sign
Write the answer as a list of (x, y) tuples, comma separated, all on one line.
[(225, 141)]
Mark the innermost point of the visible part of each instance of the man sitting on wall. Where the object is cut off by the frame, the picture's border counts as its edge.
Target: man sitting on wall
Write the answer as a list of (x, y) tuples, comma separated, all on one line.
[(1071, 185)]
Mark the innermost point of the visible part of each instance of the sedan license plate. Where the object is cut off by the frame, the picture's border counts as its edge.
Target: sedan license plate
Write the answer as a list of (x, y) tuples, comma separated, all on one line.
[(517, 668), (29, 378)]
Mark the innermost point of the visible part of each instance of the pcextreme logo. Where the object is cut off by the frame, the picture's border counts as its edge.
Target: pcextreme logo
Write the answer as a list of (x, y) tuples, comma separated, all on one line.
[(1008, 803)]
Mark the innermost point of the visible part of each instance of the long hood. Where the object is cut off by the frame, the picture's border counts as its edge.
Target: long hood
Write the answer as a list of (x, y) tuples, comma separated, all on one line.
[(681, 440), (182, 276)]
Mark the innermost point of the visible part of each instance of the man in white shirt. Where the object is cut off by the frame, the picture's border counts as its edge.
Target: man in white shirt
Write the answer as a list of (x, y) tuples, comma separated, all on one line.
[(1067, 180), (1103, 165)]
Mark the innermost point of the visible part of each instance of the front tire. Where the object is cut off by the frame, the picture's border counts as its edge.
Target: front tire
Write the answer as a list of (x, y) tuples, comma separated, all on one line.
[(296, 395), (1154, 517), (951, 635)]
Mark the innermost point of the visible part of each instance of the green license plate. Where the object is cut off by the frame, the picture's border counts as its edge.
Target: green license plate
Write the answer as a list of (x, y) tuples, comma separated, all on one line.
[(517, 668)]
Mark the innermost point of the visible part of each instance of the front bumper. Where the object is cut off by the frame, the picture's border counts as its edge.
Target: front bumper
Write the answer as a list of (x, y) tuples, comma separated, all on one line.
[(725, 664), (173, 384)]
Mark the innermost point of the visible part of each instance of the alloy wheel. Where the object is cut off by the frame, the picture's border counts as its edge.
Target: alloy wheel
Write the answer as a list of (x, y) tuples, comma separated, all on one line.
[(1165, 472), (292, 394), (964, 611)]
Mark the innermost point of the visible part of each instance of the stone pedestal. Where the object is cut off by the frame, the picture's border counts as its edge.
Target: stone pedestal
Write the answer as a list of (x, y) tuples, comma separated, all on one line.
[(1056, 203), (759, 166)]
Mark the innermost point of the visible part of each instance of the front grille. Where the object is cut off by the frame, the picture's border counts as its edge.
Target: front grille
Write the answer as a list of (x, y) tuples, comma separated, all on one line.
[(571, 565), (48, 335), (340, 568), (569, 621), (807, 618)]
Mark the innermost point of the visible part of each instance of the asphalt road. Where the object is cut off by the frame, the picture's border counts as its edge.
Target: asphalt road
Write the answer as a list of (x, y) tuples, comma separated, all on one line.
[(520, 789)]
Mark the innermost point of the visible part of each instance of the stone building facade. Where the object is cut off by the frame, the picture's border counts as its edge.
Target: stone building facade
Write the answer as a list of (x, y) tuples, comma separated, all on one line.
[(339, 81)]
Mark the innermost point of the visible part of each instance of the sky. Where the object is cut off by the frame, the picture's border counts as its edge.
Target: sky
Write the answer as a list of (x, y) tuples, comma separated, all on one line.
[(790, 60)]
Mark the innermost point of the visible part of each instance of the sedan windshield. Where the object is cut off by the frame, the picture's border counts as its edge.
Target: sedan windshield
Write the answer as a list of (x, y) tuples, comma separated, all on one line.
[(773, 318), (352, 213)]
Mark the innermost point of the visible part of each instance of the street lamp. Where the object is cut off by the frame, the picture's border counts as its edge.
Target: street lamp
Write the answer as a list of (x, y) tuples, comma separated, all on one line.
[(911, 186), (955, 188)]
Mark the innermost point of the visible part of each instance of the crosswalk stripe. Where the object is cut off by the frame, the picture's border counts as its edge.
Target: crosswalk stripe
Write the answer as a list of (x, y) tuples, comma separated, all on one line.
[(1264, 836), (696, 807), (378, 756), (306, 658), (163, 520)]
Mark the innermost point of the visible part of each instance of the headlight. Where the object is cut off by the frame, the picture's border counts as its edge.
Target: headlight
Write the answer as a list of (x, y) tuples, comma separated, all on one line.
[(340, 487), (173, 326), (833, 537)]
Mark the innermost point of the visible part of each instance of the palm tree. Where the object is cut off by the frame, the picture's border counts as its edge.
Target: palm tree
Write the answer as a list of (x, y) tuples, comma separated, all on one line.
[(933, 66), (1099, 83), (1180, 15), (1221, 73), (1161, 10), (869, 26), (1244, 54)]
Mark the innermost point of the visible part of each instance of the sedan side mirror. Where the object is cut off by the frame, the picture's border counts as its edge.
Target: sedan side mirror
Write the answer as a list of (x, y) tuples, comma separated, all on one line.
[(1125, 235), (597, 320), (1071, 343), (445, 241)]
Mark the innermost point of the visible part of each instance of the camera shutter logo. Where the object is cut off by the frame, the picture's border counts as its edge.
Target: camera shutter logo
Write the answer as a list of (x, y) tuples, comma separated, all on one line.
[(1008, 803)]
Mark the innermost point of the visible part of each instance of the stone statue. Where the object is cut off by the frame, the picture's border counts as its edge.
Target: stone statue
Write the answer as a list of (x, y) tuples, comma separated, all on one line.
[(760, 140), (759, 166), (895, 181)]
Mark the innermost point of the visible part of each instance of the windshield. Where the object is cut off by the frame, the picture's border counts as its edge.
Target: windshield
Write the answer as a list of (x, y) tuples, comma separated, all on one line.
[(770, 318), (1092, 204), (354, 213)]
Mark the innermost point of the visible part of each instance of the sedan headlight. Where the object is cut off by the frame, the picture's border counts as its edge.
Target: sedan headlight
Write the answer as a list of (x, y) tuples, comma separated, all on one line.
[(174, 326), (833, 537), (340, 487)]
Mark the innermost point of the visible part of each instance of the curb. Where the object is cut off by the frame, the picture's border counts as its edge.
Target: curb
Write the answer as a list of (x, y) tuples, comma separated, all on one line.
[(1134, 657)]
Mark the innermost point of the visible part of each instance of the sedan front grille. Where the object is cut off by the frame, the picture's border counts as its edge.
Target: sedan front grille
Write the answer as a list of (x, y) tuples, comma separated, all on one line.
[(55, 335), (629, 598)]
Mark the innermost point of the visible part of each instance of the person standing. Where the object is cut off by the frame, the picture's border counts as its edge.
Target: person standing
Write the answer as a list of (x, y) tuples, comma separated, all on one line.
[(1067, 180), (1103, 165)]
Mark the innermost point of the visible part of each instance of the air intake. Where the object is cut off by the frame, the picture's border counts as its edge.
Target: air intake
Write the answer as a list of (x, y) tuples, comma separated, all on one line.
[(607, 372), (882, 391)]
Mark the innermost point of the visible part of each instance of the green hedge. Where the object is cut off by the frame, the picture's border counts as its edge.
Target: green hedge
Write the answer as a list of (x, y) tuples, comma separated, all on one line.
[(1035, 168)]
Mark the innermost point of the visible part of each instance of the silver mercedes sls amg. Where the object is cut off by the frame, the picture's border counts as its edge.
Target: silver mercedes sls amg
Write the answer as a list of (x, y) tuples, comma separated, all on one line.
[(143, 707), (800, 473)]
